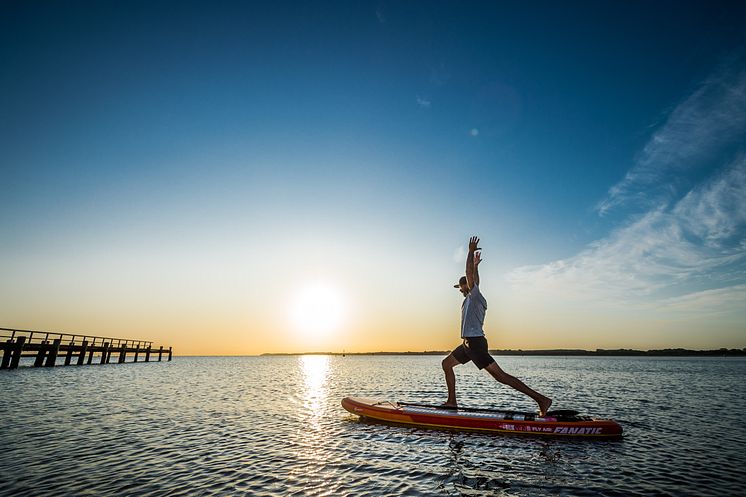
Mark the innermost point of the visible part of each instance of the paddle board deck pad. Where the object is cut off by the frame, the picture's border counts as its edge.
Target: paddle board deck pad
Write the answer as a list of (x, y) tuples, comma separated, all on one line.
[(564, 423)]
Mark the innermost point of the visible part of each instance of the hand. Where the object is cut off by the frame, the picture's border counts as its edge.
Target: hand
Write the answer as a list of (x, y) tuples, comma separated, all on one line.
[(474, 244), (477, 258)]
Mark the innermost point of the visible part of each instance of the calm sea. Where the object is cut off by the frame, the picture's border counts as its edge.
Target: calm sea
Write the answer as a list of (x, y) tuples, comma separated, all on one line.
[(274, 426)]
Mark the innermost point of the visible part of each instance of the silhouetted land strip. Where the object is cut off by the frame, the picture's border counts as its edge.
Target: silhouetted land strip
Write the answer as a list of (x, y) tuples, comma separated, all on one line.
[(47, 346), (723, 352)]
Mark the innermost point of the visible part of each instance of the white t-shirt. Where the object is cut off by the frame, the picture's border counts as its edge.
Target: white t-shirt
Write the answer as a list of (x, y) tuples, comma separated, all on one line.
[(473, 310)]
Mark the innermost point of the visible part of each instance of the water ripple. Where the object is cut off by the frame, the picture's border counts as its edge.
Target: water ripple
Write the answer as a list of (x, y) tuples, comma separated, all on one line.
[(270, 426)]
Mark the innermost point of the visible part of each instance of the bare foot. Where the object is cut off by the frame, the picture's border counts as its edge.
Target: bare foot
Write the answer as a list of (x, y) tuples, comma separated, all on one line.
[(544, 406), (449, 405)]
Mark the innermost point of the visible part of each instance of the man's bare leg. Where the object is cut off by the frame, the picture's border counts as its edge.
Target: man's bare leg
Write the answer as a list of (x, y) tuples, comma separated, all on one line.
[(448, 364), (512, 381)]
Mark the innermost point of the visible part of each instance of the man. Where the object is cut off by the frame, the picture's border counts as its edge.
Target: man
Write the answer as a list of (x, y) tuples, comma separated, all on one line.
[(474, 347)]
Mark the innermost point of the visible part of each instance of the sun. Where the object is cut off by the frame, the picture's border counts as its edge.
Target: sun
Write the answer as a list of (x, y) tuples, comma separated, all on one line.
[(318, 309)]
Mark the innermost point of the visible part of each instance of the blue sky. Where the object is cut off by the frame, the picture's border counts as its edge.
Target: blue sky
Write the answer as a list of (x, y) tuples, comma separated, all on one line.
[(159, 159)]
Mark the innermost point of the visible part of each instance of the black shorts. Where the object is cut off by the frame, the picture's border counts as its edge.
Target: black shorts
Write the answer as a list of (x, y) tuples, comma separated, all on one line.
[(473, 349)]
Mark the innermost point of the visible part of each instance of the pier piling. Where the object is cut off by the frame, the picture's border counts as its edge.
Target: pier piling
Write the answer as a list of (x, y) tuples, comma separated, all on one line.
[(7, 353), (40, 355), (81, 356), (17, 351), (69, 355), (54, 349)]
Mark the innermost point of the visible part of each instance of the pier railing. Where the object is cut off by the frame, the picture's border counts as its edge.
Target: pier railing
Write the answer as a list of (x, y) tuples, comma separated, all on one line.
[(47, 346)]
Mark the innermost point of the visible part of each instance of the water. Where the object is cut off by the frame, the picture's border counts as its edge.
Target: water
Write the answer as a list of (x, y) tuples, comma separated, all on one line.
[(274, 426)]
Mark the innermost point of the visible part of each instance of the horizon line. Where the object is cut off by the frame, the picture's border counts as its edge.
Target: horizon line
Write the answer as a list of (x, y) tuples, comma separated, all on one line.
[(674, 351)]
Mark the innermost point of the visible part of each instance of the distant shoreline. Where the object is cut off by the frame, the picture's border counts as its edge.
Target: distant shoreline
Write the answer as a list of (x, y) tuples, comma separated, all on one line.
[(722, 352)]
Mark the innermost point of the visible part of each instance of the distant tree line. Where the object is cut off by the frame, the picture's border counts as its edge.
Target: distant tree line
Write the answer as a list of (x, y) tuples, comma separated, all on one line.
[(626, 352), (722, 352)]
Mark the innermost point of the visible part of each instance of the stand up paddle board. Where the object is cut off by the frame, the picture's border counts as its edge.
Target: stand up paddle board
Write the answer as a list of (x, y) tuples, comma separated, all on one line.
[(556, 423)]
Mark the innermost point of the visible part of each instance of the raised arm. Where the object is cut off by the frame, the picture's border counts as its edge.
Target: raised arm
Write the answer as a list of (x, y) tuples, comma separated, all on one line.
[(472, 275), (477, 260)]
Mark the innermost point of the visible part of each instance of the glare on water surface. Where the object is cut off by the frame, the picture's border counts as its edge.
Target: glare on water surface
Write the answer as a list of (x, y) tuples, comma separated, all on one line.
[(315, 371)]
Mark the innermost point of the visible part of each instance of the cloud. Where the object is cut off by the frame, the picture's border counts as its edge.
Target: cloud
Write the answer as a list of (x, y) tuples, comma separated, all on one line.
[(380, 14), (711, 117), (710, 301), (474, 132), (686, 248), (696, 245), (423, 102)]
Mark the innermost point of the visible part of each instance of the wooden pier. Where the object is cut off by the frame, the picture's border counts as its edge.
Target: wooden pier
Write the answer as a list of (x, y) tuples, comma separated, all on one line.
[(48, 348)]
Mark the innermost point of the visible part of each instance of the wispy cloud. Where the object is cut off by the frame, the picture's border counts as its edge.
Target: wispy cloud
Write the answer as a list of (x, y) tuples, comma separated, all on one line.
[(380, 15), (695, 246), (423, 102), (707, 301), (686, 248), (712, 116)]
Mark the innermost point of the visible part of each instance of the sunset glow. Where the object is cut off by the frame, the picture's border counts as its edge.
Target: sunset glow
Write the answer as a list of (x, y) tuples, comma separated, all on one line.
[(262, 178), (318, 309)]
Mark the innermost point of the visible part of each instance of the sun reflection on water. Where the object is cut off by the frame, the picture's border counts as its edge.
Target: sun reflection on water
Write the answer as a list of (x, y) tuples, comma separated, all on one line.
[(313, 437), (315, 372)]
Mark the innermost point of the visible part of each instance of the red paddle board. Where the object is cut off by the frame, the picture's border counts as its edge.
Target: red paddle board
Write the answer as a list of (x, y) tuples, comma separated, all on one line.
[(555, 423)]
